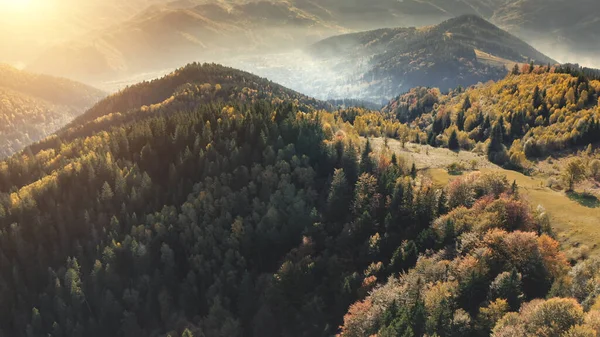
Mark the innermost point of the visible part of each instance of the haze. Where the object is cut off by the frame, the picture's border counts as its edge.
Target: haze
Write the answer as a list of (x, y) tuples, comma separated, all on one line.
[(108, 44)]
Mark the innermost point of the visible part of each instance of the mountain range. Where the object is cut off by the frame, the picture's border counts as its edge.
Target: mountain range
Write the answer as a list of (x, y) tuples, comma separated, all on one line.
[(162, 35), (166, 35), (558, 26), (377, 65)]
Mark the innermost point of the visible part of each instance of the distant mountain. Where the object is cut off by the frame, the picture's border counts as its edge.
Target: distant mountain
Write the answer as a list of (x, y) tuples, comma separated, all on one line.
[(565, 24), (33, 106), (165, 35), (564, 29), (458, 52)]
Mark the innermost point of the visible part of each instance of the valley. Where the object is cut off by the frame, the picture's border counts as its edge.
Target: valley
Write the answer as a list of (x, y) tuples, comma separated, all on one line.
[(374, 66)]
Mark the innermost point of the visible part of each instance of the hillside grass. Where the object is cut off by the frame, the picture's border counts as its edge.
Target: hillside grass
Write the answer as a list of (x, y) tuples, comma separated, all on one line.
[(493, 60), (575, 217)]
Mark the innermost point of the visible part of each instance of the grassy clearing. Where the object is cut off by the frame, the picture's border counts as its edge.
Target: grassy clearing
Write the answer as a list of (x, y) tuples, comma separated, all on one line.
[(575, 217), (494, 60)]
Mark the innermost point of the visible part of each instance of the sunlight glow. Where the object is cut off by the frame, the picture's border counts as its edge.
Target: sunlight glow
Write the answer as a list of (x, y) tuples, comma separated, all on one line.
[(18, 5)]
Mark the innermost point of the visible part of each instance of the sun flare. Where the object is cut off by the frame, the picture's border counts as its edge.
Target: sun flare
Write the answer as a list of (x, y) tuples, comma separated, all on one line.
[(18, 5)]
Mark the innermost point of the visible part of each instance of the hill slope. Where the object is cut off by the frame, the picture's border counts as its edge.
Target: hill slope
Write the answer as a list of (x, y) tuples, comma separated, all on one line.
[(561, 28), (460, 51), (538, 112), (235, 207), (33, 106), (164, 36)]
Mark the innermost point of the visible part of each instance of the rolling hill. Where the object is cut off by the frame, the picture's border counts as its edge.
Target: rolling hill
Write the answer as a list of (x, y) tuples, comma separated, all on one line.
[(164, 36), (151, 147), (33, 106), (461, 51), (540, 112), (212, 202)]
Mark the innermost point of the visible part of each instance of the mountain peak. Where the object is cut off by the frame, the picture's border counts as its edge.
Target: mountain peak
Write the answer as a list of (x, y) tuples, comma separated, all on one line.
[(461, 51), (472, 21), (470, 18)]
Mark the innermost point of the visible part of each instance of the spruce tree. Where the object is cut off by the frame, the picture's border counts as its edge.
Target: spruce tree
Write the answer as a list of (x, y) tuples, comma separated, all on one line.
[(366, 163), (460, 120), (453, 141)]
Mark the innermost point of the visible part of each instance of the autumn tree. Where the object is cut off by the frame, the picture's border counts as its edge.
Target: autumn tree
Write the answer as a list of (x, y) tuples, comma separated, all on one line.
[(573, 172)]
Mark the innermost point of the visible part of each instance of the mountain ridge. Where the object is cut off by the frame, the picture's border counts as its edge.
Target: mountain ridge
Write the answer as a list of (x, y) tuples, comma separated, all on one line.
[(193, 33), (458, 52), (32, 106)]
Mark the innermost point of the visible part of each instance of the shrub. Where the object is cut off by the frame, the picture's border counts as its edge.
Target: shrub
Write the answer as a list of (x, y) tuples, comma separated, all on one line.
[(555, 317), (456, 168), (595, 169)]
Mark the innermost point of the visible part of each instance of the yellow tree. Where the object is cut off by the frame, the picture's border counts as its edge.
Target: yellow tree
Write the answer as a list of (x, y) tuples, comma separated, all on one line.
[(573, 173)]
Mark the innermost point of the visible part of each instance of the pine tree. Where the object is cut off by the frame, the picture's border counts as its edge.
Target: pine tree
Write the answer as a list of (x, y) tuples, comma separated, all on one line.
[(366, 163), (466, 104), (350, 164), (514, 188), (537, 97), (515, 70), (431, 138), (453, 141), (460, 120), (106, 194), (338, 201), (516, 125), (442, 207), (496, 143), (486, 123)]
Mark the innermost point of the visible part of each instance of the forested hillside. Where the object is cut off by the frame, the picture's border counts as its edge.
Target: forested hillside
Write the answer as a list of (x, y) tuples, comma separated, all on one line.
[(533, 112), (212, 202), (33, 106)]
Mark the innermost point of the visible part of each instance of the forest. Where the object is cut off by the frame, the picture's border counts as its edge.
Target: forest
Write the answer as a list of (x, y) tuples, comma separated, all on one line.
[(531, 113), (212, 202)]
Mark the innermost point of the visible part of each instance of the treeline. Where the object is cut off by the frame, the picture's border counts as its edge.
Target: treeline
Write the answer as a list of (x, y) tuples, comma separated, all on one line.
[(577, 71), (534, 111)]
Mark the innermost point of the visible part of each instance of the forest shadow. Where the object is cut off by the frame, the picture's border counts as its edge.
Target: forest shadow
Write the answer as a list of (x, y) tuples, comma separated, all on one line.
[(584, 199)]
